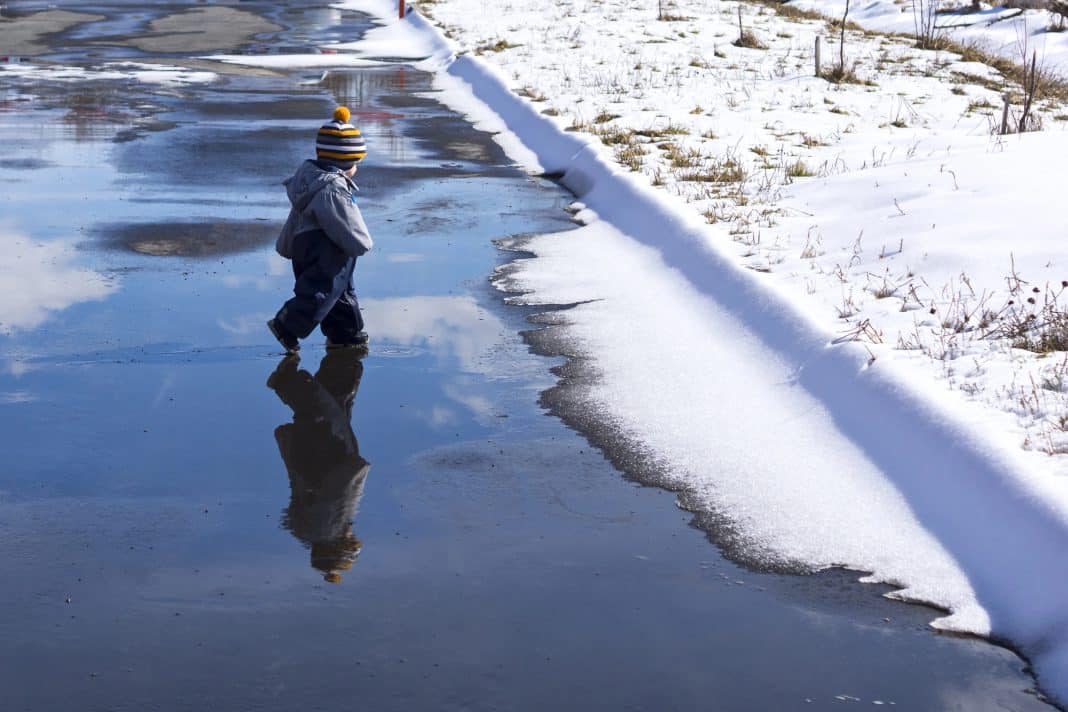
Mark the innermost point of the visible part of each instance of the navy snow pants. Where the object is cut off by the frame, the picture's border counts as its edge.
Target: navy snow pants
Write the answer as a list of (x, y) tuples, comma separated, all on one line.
[(323, 293)]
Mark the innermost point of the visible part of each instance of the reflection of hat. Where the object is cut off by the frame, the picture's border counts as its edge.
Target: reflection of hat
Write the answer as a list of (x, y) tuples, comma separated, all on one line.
[(334, 556), (339, 142)]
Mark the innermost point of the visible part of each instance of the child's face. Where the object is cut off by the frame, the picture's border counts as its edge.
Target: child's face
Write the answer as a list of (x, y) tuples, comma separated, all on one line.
[(351, 172)]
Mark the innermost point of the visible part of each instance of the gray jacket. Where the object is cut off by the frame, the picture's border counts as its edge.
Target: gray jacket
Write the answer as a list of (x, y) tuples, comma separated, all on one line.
[(323, 199)]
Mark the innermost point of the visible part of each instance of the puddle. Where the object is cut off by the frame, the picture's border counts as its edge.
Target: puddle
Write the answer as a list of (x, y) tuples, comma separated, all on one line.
[(185, 517)]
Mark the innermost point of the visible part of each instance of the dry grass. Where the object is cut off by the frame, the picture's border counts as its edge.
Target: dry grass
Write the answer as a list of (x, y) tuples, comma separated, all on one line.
[(727, 171), (844, 75), (1014, 72), (1051, 85), (532, 94), (630, 155), (789, 11), (1033, 326), (679, 158), (611, 136), (498, 46), (798, 169), (669, 130), (749, 41)]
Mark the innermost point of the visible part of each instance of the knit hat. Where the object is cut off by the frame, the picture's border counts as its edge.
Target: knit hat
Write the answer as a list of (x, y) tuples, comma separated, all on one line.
[(339, 142)]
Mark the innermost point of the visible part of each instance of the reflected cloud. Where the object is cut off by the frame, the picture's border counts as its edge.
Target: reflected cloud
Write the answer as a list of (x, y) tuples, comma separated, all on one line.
[(38, 279), (440, 416), (14, 397), (277, 265), (315, 19), (275, 268), (245, 324), (166, 386), (463, 393), (322, 457), (447, 326), (404, 257), (17, 368)]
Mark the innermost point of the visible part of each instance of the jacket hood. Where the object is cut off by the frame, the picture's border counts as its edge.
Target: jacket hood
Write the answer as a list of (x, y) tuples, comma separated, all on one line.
[(311, 178)]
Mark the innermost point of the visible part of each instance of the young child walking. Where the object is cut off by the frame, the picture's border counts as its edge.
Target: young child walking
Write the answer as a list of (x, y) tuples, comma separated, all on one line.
[(323, 236)]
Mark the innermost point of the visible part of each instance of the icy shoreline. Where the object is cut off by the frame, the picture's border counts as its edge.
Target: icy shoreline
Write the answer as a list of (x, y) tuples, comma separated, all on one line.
[(825, 456)]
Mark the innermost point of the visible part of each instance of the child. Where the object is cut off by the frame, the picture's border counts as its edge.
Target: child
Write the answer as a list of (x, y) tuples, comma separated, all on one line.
[(323, 236)]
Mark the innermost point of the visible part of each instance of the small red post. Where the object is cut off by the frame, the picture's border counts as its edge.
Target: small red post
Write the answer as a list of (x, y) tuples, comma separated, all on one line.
[(400, 8)]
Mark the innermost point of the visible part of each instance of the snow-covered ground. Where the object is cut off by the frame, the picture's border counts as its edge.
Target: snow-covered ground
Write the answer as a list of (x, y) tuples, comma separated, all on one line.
[(807, 302), (951, 262), (1013, 33)]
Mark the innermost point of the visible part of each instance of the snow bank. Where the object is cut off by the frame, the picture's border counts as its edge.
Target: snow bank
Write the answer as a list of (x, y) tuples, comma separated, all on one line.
[(815, 453), (821, 459), (394, 40)]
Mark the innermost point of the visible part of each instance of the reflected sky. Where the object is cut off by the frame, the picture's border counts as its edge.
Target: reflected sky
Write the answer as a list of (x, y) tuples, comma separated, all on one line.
[(456, 329), (39, 278)]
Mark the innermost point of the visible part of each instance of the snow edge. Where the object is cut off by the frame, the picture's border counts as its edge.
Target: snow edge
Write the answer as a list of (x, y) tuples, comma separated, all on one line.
[(952, 469)]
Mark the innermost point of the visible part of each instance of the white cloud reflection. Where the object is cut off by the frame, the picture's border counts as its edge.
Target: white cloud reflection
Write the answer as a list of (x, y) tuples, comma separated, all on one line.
[(246, 324), (275, 268), (38, 279), (450, 327)]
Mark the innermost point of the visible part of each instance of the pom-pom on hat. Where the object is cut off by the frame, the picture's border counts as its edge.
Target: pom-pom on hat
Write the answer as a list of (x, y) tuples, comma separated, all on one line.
[(339, 142)]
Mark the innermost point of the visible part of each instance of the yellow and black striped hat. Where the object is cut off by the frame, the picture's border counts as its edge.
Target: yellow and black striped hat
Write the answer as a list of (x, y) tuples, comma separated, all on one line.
[(339, 142)]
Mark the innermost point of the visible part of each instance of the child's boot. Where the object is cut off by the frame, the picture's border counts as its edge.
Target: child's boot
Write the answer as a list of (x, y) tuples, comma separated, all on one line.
[(289, 342)]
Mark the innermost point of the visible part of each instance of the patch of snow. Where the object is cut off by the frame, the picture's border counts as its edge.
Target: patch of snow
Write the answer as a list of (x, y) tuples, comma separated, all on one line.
[(158, 74), (949, 267), (294, 61), (147, 73), (1012, 33), (709, 303), (757, 462), (395, 41)]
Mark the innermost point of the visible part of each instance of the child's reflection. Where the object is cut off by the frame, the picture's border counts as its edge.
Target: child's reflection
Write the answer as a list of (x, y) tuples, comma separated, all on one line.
[(326, 472)]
